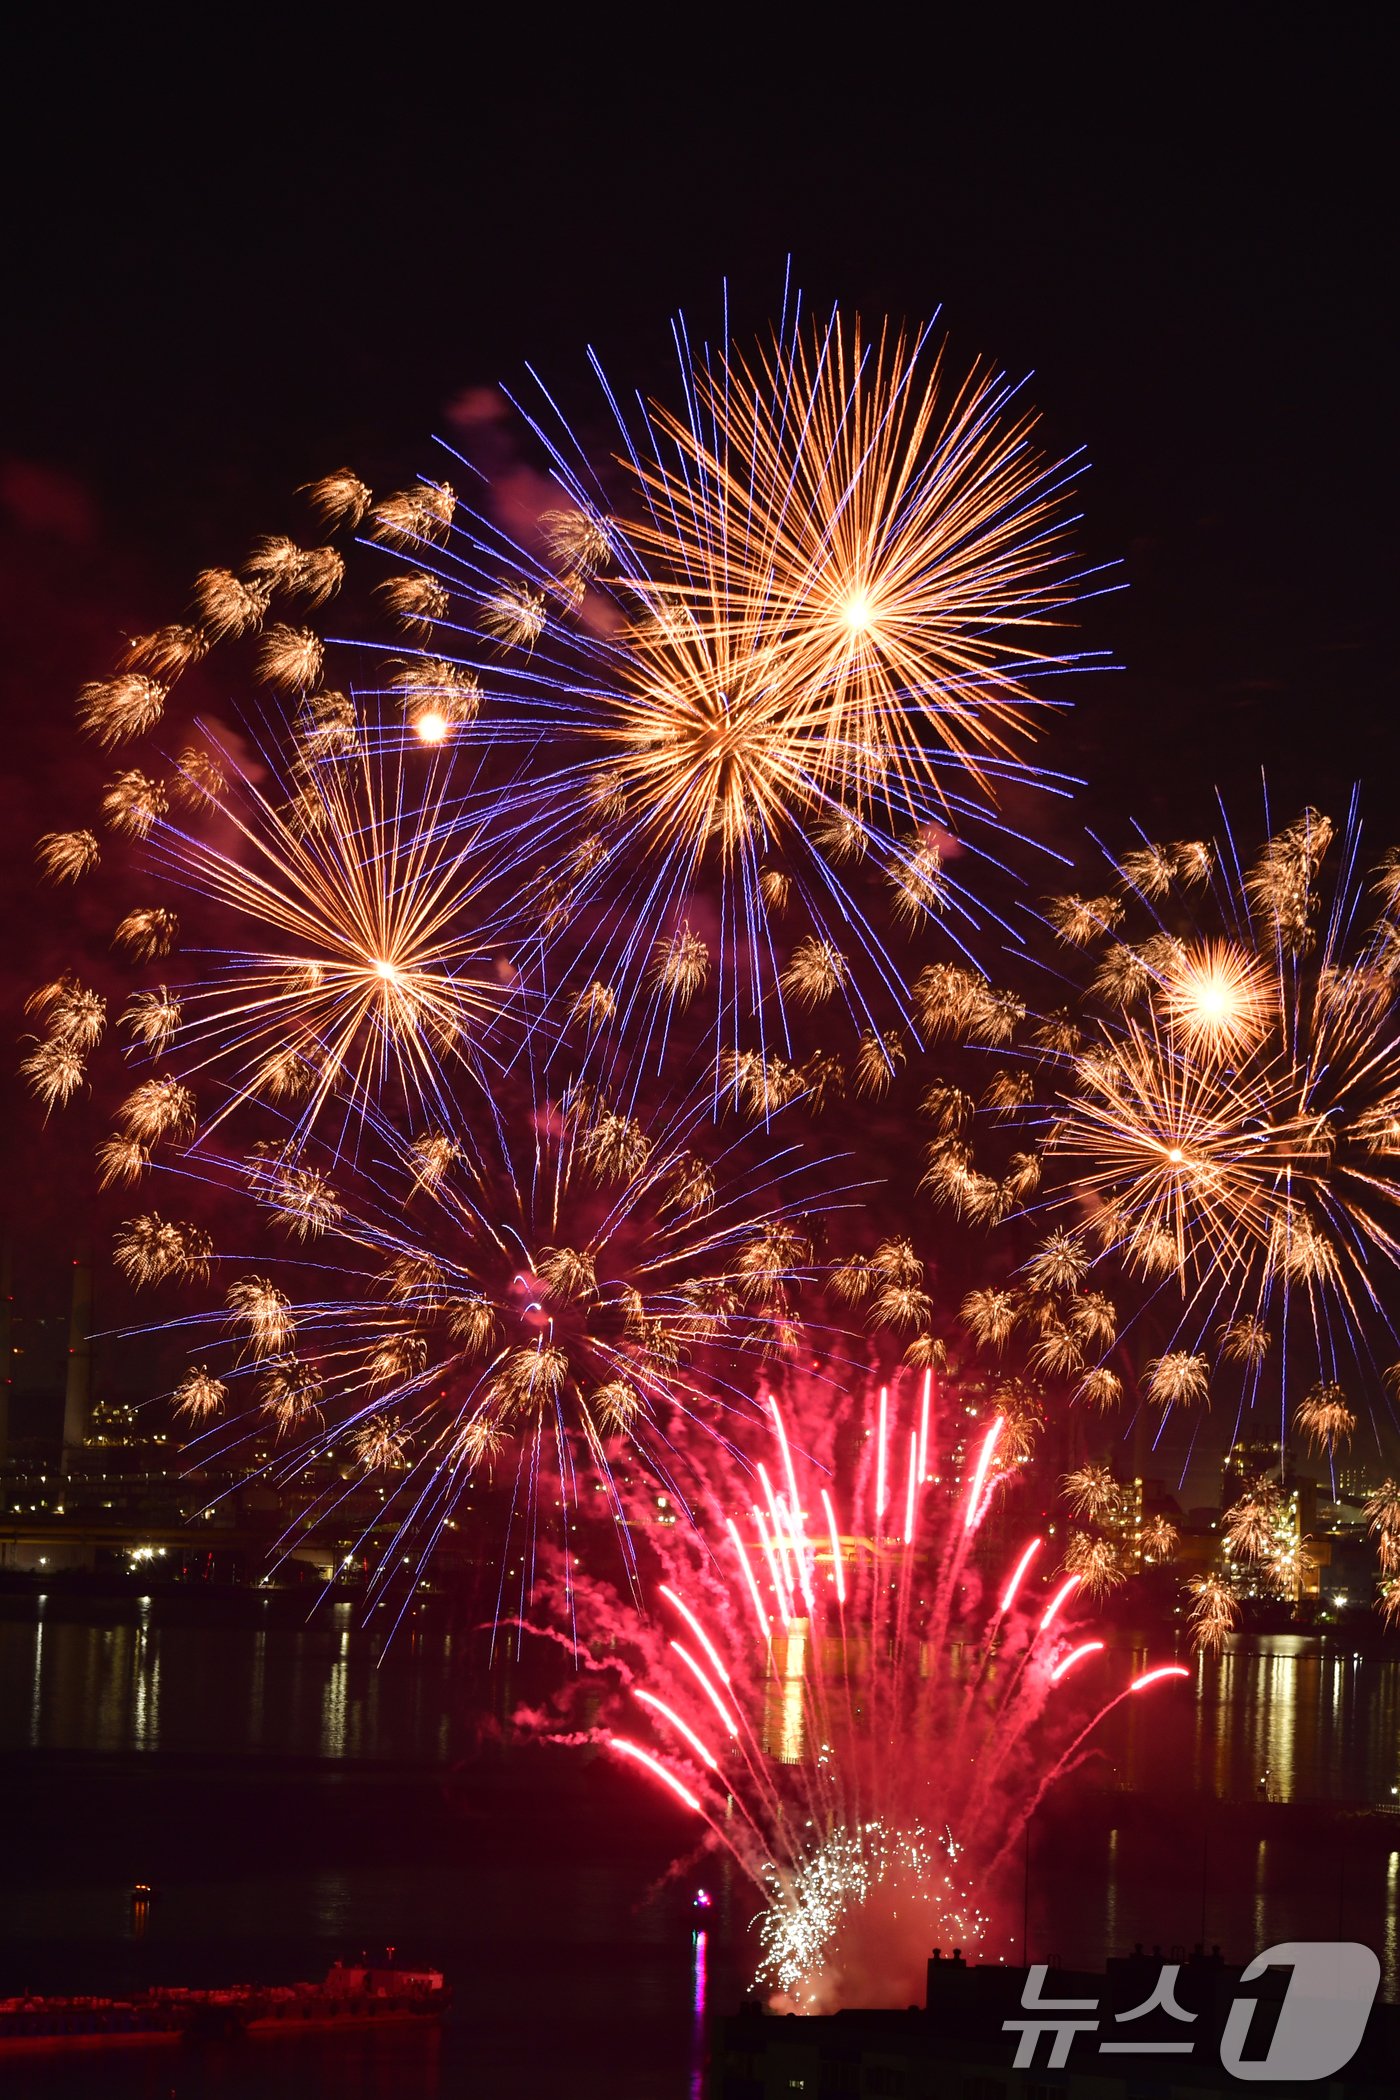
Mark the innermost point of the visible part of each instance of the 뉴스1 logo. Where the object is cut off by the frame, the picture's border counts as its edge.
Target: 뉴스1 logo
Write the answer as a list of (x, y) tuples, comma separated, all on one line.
[(1320, 2026)]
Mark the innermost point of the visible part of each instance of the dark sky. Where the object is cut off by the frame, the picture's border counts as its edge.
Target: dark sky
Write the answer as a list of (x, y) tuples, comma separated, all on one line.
[(241, 253), (239, 260)]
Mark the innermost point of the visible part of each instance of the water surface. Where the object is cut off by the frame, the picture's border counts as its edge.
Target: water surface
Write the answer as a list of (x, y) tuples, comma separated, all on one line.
[(294, 1793)]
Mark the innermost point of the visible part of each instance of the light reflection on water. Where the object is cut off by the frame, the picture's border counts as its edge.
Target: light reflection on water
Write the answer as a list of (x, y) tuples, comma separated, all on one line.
[(699, 1995), (1321, 1721), (134, 1683), (36, 1677), (333, 1701), (1286, 1719)]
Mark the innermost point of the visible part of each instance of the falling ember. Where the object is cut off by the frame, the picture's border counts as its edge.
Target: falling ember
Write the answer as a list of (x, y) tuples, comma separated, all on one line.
[(759, 1613), (1140, 1684), (698, 1630), (838, 1575), (775, 1572), (731, 1726), (780, 1541), (923, 1425), (791, 1477), (681, 1727)]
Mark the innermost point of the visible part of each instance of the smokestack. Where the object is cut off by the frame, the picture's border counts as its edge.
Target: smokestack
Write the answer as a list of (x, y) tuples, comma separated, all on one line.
[(7, 1366), (77, 1391)]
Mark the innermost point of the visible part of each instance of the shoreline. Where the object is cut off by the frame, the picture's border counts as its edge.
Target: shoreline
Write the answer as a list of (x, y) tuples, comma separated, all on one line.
[(306, 1604)]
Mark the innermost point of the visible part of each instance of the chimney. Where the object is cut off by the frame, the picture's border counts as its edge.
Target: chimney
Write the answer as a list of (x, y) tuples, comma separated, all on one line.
[(77, 1391), (7, 1367)]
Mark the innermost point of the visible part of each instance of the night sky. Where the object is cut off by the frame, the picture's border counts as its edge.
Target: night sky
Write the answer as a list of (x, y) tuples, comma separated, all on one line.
[(241, 254)]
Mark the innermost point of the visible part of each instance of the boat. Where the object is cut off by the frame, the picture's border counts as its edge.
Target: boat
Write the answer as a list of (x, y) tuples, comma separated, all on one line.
[(360, 1994)]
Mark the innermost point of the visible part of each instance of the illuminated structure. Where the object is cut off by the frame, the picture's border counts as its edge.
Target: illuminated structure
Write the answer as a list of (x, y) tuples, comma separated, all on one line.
[(1269, 1544)]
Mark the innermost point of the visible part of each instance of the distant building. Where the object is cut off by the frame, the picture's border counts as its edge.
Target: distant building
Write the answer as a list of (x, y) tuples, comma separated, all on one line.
[(956, 2046), (1357, 1480), (1246, 1462), (1123, 1524)]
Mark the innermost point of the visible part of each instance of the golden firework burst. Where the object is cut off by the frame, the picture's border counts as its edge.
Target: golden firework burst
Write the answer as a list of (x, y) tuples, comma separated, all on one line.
[(880, 546)]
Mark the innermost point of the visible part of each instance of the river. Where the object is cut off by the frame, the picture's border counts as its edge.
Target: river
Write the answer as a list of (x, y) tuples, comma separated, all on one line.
[(293, 1792)]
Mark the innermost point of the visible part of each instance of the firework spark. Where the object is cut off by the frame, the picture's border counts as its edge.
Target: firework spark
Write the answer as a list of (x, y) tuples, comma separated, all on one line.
[(1233, 1127), (882, 542), (868, 1759), (577, 1285), (778, 675)]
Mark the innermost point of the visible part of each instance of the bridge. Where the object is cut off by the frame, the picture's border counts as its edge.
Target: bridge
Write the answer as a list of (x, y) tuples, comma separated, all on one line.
[(34, 1542)]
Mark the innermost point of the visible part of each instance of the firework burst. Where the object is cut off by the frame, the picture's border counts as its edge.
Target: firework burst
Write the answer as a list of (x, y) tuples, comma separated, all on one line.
[(772, 671), (341, 947), (883, 541), (576, 1286), (1230, 1123), (858, 1706)]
